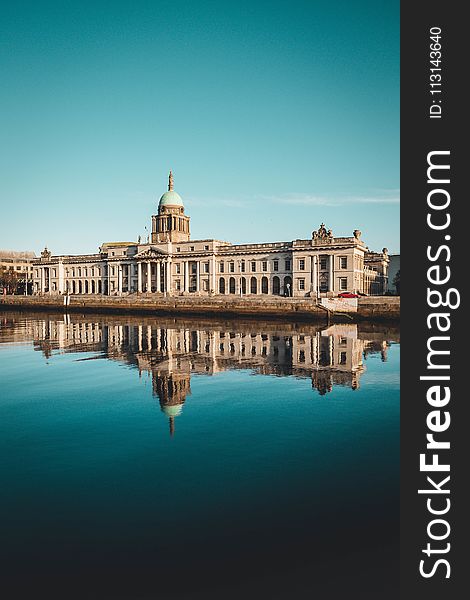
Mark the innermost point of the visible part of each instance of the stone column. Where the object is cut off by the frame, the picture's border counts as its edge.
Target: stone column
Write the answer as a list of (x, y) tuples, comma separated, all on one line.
[(149, 277), (186, 276), (139, 277), (198, 265), (159, 276), (169, 276), (120, 278), (315, 276), (213, 267), (331, 259)]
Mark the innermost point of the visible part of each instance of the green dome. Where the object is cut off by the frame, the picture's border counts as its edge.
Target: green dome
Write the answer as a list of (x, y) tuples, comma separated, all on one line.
[(171, 198)]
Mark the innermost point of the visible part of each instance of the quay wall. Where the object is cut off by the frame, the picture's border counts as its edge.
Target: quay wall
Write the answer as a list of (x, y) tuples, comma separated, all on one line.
[(378, 308)]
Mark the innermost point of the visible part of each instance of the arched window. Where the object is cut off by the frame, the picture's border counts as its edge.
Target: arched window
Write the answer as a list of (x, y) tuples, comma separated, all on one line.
[(92, 287), (264, 285), (243, 283), (86, 286), (79, 287), (221, 285), (253, 285), (231, 285), (276, 285), (288, 286), (99, 286), (73, 287)]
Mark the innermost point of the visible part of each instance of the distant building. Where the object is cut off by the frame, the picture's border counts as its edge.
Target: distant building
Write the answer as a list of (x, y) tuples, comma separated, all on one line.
[(21, 264), (170, 263)]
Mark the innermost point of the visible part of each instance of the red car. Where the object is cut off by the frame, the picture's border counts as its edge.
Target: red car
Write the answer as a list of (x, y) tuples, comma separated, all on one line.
[(348, 295)]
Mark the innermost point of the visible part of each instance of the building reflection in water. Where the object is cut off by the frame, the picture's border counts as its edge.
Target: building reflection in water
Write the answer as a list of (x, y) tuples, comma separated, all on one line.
[(171, 350)]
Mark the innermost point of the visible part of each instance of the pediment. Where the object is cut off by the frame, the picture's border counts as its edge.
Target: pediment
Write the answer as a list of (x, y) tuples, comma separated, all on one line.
[(151, 252)]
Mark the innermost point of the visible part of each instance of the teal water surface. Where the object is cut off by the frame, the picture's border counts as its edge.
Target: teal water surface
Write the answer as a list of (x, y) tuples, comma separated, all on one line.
[(158, 458)]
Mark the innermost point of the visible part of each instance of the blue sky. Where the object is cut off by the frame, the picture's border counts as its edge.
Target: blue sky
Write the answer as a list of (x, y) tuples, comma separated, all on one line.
[(273, 116)]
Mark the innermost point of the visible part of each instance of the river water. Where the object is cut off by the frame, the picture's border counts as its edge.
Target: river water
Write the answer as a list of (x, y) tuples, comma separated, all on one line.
[(178, 458)]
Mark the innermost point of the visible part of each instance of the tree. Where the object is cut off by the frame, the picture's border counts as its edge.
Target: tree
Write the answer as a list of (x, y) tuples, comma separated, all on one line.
[(8, 279), (396, 282)]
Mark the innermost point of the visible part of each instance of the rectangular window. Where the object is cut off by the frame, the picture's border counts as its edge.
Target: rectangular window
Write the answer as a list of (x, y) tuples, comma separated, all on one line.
[(301, 284), (232, 267), (242, 266), (192, 248), (287, 265), (178, 249), (112, 271), (343, 262), (323, 263), (178, 268), (343, 283), (253, 266), (342, 358), (206, 267), (265, 265), (276, 265), (221, 267), (206, 247), (178, 285), (205, 285), (302, 264)]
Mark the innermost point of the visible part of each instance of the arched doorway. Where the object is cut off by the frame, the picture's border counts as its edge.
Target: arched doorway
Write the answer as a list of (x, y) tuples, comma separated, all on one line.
[(99, 286), (79, 287), (264, 285), (243, 283), (276, 285), (73, 287), (231, 285), (253, 285), (86, 286), (93, 286), (288, 286), (221, 285)]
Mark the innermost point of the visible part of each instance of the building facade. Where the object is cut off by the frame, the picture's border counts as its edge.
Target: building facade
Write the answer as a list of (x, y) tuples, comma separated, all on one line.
[(169, 262), (19, 267)]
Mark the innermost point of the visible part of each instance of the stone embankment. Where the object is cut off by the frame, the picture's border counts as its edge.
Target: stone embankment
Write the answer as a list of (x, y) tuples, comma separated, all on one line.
[(369, 308)]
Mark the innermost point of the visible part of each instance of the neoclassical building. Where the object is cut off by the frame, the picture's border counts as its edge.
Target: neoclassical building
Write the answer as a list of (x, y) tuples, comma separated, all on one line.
[(169, 262)]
